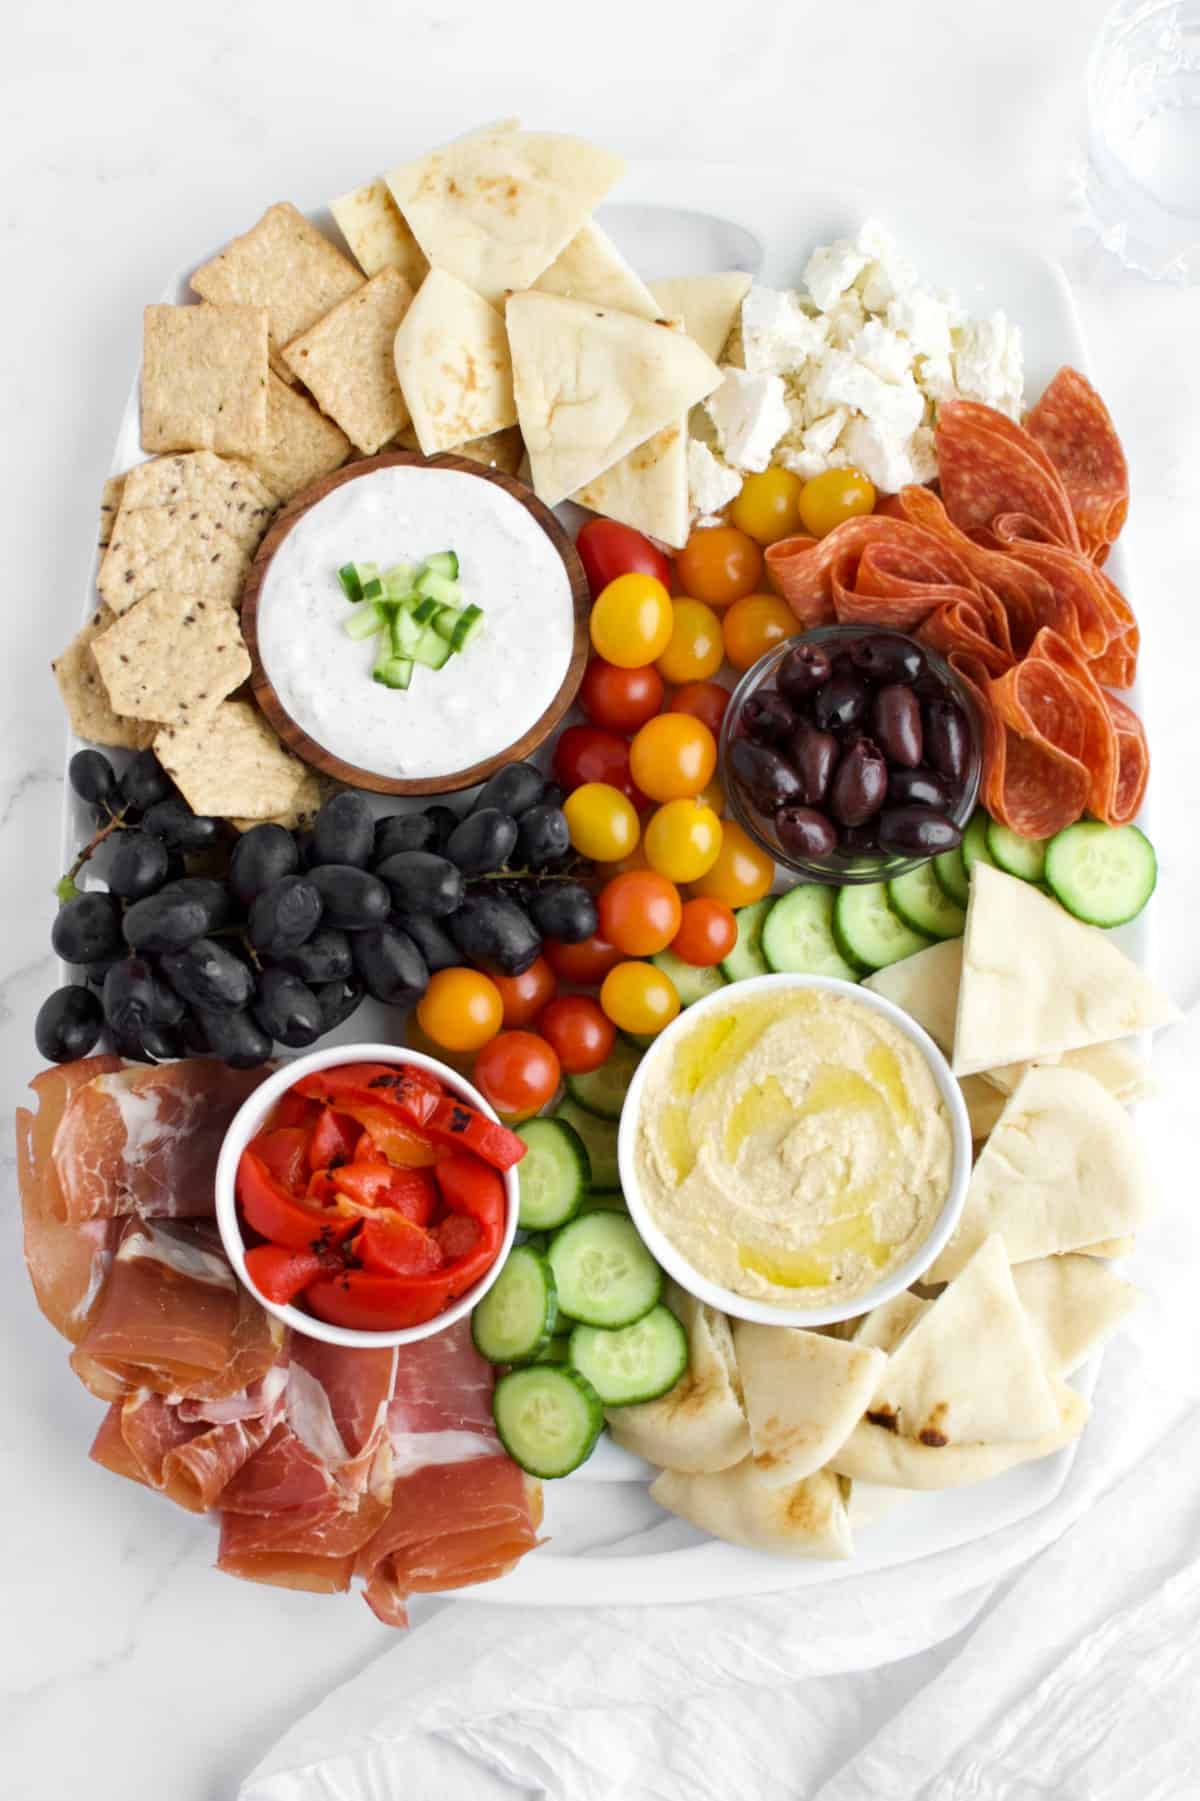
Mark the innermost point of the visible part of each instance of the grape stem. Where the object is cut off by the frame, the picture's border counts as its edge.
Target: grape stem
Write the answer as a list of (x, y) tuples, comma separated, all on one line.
[(65, 887), (574, 874)]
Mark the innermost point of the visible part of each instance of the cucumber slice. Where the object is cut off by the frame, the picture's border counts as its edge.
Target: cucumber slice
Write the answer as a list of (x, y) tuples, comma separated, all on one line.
[(1103, 874), (425, 610), (691, 981), (923, 904), (602, 1091), (443, 562), (548, 1418), (553, 1174), (797, 935), (635, 1363), (951, 872), (746, 958), (392, 672), (556, 1350), (599, 1142), (1022, 857), (516, 1317), (869, 932), (604, 1274), (974, 846)]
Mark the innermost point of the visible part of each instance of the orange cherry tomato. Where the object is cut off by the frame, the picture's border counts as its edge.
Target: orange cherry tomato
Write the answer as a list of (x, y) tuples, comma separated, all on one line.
[(696, 650), (584, 964), (461, 1008), (768, 506), (603, 822), (635, 860), (756, 625), (523, 997), (705, 701), (621, 699), (707, 932), (739, 874), (639, 913), (683, 840), (639, 998), (673, 756), (579, 1031), (833, 496), (631, 621), (518, 1072), (719, 564)]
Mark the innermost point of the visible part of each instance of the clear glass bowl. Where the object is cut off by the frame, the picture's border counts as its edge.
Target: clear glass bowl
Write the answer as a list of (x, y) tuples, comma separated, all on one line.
[(842, 866)]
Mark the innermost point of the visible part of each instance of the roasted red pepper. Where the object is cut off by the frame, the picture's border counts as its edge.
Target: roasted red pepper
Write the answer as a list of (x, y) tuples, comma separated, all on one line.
[(283, 1218), (409, 1091), (280, 1274), (285, 1153), (333, 1139), (378, 1187), (369, 1303), (393, 1246), (454, 1123), (475, 1197)]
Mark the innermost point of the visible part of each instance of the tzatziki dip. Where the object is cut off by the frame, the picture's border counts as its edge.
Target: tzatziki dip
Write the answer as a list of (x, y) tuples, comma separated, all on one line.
[(485, 696)]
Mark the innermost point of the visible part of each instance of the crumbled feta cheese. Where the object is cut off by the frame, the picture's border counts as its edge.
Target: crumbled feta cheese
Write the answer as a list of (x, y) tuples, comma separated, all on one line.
[(777, 334), (988, 364), (830, 271), (711, 484), (884, 351), (923, 320), (846, 319), (751, 415), (935, 375), (815, 449), (922, 453), (896, 407), (888, 273), (883, 459)]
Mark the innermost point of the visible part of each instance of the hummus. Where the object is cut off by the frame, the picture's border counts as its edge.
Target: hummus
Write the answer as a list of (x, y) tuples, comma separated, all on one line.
[(793, 1147)]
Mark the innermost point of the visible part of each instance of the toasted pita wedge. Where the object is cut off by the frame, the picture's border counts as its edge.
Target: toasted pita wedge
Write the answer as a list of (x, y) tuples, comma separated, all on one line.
[(707, 304), (592, 384), (453, 365), (648, 489), (985, 1104), (374, 227), (804, 1519), (869, 1502), (886, 1325), (926, 988), (804, 1394), (699, 1426), (1062, 1169), (497, 207), (1073, 1305), (591, 268), (1114, 1065), (1036, 983), (874, 1454)]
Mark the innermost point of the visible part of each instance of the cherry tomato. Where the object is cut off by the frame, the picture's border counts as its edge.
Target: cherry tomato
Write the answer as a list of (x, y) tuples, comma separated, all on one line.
[(683, 840), (639, 998), (524, 996), (584, 753), (755, 625), (768, 506), (631, 621), (836, 495), (461, 1008), (626, 866), (695, 651), (621, 699), (639, 913), (585, 964), (739, 874), (602, 822), (673, 756), (517, 1072), (607, 549), (418, 1040), (713, 795), (719, 564), (707, 932), (579, 1031), (706, 701)]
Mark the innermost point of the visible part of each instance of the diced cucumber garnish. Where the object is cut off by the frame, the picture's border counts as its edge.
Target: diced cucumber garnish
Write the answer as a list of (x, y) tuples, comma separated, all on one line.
[(516, 1317), (468, 627), (634, 1363), (351, 586), (426, 610), (1103, 874), (603, 1272), (690, 980), (797, 935), (922, 903), (869, 932), (431, 650), (366, 619), (373, 588), (974, 846), (443, 562), (439, 588), (398, 581), (405, 633), (553, 1174), (746, 958), (602, 1091), (1022, 857), (599, 1141), (392, 672), (951, 872), (548, 1418)]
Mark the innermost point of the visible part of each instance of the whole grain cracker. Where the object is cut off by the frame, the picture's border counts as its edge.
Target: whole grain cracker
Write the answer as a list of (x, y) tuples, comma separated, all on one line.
[(227, 490), (284, 264), (181, 547), (377, 232), (230, 764), (86, 698), (204, 378), (306, 803), (173, 658), (110, 506), (347, 362), (302, 444)]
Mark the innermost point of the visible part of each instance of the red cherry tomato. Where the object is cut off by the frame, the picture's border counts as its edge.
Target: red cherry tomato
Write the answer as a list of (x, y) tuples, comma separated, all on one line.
[(707, 932), (579, 1032), (585, 964), (524, 996), (585, 754), (620, 699), (706, 701), (517, 1072), (607, 550)]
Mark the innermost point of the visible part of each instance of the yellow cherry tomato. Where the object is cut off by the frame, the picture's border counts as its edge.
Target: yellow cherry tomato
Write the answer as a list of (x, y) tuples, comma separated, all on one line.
[(755, 625), (719, 564), (639, 998), (683, 840), (603, 822), (696, 650), (713, 796), (631, 621), (461, 1009), (672, 756), (828, 499), (739, 874), (768, 507)]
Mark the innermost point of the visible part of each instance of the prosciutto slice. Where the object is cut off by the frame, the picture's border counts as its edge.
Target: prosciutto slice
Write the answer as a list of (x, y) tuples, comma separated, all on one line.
[(176, 1448)]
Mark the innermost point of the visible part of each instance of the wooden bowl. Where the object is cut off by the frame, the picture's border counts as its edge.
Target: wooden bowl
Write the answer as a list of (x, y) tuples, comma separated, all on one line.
[(298, 740)]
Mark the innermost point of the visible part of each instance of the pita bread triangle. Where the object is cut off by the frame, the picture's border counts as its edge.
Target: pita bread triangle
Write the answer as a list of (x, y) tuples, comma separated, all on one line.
[(698, 1426), (1073, 1304), (800, 1519), (805, 1393), (708, 305), (873, 1454), (591, 267), (925, 986), (648, 489), (591, 384)]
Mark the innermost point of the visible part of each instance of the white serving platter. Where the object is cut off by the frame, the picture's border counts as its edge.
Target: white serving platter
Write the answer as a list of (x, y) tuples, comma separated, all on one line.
[(608, 1542)]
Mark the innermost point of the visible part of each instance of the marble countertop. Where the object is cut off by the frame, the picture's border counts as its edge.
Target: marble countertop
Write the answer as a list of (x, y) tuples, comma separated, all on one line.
[(137, 139)]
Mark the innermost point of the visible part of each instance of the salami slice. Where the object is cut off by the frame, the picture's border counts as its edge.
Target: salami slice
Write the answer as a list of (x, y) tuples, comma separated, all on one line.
[(976, 627), (1133, 762), (1080, 612), (1043, 782), (878, 570), (991, 469), (1025, 596), (1114, 749), (1075, 428)]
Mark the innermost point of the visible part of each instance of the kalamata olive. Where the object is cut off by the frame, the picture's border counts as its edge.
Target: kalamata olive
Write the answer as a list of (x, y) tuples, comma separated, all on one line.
[(769, 780), (812, 754), (862, 839), (883, 659), (918, 787), (917, 831), (767, 717), (859, 786), (947, 738), (806, 668), (841, 703), (804, 832), (896, 724), (843, 662)]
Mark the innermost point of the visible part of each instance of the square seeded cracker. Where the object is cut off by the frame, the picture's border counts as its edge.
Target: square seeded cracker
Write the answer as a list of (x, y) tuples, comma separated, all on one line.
[(302, 444), (230, 764), (347, 361), (224, 489), (204, 378), (180, 547), (305, 804), (86, 698), (172, 659), (284, 264), (110, 506)]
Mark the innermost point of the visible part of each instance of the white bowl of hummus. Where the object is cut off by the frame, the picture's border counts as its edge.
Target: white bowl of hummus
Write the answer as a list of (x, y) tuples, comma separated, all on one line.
[(794, 1150)]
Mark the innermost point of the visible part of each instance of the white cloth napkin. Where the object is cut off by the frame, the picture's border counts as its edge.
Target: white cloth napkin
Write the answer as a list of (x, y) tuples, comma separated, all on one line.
[(1066, 1665)]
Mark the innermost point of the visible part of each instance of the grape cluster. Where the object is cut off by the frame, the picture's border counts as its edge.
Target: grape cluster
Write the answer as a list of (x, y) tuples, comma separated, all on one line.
[(198, 944)]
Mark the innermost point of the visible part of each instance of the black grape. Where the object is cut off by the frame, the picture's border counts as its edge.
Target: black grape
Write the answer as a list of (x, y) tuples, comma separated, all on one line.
[(403, 831), (325, 957), (206, 974), (434, 944), (513, 789), (390, 965), (162, 1043), (237, 1038), (138, 865), (563, 910), (92, 777), (87, 928), (351, 898), (543, 836), (261, 857), (344, 831), (134, 998), (483, 841), (421, 882), (68, 1024), (166, 921), (284, 915), (444, 821), (145, 782), (338, 1000), (494, 932), (287, 1009), (212, 895), (180, 828)]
